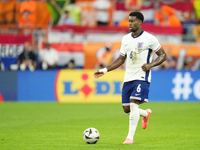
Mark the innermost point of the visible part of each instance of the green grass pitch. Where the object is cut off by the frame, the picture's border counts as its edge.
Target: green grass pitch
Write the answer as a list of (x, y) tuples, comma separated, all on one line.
[(60, 126)]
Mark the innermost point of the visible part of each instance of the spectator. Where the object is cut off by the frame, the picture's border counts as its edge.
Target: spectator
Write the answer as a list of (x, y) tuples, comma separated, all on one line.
[(102, 11), (125, 21), (71, 64), (196, 28), (130, 5), (166, 16), (27, 59), (49, 57), (26, 21), (133, 5), (30, 7), (74, 11), (104, 56), (66, 19)]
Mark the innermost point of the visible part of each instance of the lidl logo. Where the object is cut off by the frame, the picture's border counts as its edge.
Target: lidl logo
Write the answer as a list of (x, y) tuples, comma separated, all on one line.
[(81, 86), (86, 89)]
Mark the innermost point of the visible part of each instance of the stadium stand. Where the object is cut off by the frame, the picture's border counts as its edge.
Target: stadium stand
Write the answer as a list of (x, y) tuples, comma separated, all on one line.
[(73, 41)]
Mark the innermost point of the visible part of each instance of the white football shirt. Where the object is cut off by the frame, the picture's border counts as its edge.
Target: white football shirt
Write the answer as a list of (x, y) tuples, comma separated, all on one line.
[(50, 56), (138, 51)]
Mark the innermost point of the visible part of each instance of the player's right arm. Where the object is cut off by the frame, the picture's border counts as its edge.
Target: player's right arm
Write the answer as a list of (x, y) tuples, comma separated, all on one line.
[(115, 64)]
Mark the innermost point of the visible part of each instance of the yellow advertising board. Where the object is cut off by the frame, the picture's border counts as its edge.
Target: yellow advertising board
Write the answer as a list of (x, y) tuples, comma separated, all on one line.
[(80, 86)]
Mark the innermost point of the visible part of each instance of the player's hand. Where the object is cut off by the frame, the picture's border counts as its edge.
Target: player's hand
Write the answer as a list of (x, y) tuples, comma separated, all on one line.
[(98, 74), (146, 67)]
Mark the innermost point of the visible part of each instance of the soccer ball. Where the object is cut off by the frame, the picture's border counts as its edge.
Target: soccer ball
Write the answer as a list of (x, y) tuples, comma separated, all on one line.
[(91, 135)]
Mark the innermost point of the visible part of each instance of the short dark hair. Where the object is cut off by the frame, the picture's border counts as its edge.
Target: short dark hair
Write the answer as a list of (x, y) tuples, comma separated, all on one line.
[(138, 15)]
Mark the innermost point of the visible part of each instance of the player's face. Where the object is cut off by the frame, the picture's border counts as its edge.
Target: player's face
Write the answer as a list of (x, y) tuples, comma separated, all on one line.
[(134, 23)]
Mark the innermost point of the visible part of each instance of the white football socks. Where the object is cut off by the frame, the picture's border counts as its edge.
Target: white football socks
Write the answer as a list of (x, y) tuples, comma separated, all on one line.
[(133, 119), (142, 112)]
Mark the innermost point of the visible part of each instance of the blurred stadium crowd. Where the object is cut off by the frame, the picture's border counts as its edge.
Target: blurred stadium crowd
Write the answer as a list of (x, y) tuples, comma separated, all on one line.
[(73, 34)]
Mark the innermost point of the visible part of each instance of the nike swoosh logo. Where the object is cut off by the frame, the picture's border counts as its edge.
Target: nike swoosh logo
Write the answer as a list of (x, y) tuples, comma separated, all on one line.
[(137, 94)]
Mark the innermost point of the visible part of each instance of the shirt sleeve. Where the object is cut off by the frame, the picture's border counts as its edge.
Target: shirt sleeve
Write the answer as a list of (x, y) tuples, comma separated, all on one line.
[(122, 49), (154, 44)]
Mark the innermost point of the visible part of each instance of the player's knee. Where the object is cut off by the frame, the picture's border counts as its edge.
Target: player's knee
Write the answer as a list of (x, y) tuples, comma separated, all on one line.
[(126, 109), (127, 112)]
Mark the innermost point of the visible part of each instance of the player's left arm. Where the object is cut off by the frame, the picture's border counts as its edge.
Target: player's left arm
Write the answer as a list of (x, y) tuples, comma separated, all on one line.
[(159, 60)]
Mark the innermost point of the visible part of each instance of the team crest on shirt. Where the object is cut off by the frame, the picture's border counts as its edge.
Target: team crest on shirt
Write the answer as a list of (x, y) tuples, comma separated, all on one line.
[(140, 45)]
